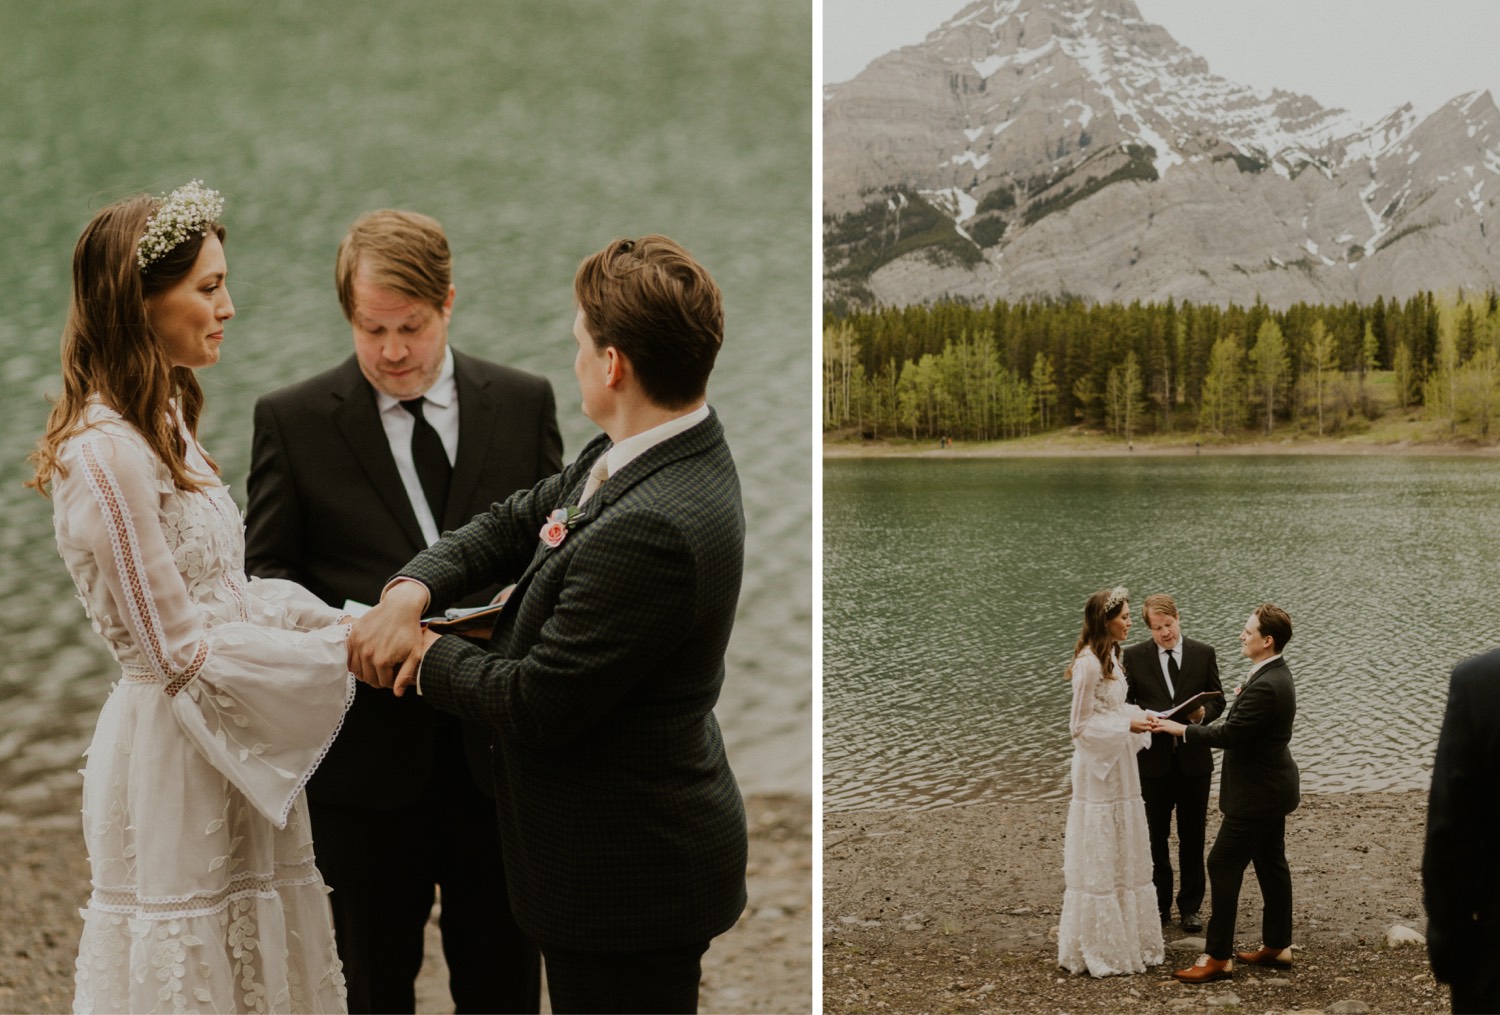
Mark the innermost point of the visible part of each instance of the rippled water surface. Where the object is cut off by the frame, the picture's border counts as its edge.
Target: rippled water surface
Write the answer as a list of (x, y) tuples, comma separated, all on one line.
[(953, 594), (536, 131)]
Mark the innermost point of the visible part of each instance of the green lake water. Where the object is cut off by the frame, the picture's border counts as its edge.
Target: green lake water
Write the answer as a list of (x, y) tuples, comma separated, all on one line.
[(954, 590), (536, 131)]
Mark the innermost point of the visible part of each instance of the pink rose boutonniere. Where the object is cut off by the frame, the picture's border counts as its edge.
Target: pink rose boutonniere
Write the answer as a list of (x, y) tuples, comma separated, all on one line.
[(556, 529)]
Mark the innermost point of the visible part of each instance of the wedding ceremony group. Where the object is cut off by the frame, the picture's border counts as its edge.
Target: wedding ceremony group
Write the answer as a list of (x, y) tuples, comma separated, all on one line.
[(1145, 722), (303, 747)]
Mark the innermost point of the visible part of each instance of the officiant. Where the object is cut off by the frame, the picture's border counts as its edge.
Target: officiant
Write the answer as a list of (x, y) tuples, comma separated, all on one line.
[(1160, 673)]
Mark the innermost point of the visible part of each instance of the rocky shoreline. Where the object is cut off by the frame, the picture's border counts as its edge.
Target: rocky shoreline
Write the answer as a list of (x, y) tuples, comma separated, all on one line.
[(1073, 445), (763, 964), (955, 910)]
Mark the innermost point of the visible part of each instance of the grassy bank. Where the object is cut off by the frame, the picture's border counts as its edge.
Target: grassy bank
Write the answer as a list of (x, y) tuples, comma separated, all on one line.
[(1386, 436)]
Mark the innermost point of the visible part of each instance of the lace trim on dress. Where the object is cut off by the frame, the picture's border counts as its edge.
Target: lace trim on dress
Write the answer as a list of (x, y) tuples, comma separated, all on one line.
[(238, 592), (350, 685), (126, 544), (241, 886)]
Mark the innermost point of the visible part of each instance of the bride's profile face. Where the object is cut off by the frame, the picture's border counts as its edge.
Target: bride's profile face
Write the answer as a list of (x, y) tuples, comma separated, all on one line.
[(189, 317), (1120, 626)]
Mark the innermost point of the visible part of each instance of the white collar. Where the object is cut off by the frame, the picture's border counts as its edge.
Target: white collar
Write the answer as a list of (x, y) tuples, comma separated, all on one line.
[(1263, 664), (442, 393), (631, 448)]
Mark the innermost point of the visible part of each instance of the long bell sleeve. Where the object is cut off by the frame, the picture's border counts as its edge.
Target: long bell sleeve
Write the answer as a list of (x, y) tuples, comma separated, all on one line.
[(1101, 735), (261, 689)]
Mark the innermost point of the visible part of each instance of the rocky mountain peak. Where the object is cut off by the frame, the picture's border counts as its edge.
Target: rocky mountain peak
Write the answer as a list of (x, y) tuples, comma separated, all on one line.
[(1017, 121)]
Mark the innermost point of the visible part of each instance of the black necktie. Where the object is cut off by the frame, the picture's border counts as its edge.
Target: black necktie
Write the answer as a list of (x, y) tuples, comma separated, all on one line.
[(1173, 672), (433, 468)]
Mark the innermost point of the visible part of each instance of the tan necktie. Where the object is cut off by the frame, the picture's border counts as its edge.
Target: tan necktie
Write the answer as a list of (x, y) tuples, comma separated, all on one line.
[(598, 473)]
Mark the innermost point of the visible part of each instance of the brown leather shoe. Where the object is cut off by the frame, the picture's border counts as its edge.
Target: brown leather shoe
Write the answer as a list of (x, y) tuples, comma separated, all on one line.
[(1277, 958), (1206, 970)]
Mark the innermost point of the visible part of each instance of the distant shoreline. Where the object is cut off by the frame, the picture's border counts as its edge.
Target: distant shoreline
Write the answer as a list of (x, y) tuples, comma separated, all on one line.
[(1073, 445)]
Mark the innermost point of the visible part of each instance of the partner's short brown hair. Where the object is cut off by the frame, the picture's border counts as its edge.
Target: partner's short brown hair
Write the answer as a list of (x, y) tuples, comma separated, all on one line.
[(403, 251), (658, 306), (1275, 624), (1159, 603)]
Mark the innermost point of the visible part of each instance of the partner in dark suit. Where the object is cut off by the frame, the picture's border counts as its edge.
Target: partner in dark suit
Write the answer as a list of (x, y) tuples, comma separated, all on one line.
[(1259, 787), (1163, 672), (337, 503), (623, 828), (1460, 889)]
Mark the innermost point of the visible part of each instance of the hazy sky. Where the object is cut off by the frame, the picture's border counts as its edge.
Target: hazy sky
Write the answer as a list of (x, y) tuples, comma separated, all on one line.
[(1369, 56)]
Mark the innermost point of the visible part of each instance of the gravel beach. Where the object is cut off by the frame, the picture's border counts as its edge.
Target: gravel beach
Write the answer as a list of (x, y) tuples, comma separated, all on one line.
[(956, 909), (763, 964)]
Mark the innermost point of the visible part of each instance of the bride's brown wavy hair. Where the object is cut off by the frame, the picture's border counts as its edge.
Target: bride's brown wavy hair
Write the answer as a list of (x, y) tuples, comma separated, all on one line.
[(1095, 633), (109, 348)]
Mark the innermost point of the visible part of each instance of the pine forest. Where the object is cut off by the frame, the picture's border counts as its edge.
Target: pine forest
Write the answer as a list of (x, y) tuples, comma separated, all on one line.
[(951, 371)]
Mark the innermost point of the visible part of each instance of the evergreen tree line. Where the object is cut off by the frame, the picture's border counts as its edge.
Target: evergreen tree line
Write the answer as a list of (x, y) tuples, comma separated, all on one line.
[(1010, 369)]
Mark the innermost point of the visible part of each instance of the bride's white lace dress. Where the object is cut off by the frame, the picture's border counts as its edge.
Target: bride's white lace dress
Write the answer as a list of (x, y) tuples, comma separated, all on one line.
[(205, 896), (1110, 922)]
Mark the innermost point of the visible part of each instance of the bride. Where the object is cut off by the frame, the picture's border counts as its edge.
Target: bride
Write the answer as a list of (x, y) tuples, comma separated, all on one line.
[(205, 896), (1109, 918)]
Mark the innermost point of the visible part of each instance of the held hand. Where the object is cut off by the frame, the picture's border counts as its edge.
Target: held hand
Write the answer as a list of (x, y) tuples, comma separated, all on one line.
[(407, 677), (1141, 723), (387, 641), (1161, 725)]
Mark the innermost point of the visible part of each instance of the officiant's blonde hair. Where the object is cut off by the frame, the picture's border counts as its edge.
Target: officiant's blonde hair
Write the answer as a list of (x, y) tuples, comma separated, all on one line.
[(1160, 603), (404, 252), (1097, 613)]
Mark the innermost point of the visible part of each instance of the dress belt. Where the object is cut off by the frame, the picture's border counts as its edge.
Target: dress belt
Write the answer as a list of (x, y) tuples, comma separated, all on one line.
[(141, 675)]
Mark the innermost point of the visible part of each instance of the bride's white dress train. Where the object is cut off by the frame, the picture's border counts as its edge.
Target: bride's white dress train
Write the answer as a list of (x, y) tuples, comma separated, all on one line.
[(205, 896), (1110, 922)]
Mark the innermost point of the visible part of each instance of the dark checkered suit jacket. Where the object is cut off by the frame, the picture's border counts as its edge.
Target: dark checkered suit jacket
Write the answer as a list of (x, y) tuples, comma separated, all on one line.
[(1259, 777), (622, 825)]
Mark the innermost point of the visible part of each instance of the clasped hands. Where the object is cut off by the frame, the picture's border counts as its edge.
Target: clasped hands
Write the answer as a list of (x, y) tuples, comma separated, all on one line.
[(1152, 723), (386, 645)]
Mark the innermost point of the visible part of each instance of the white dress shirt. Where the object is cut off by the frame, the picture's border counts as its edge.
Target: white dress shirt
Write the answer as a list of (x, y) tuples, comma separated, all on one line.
[(631, 448), (440, 408), (1261, 665)]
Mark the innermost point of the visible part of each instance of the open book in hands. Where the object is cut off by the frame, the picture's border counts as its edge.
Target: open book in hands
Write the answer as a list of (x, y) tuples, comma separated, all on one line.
[(473, 622), (1189, 706)]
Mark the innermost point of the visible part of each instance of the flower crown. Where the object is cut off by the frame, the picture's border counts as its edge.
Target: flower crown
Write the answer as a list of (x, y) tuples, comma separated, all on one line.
[(1117, 595), (187, 210)]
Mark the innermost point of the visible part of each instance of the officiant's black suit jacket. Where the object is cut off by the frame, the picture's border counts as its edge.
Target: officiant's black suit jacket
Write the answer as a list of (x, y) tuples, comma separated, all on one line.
[(622, 824), (1198, 672), (1461, 890), (327, 509), (1259, 778)]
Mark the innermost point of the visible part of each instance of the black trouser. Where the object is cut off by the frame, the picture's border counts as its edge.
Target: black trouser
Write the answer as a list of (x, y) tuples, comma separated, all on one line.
[(383, 865), (1242, 841), (1469, 999), (1188, 795), (664, 980)]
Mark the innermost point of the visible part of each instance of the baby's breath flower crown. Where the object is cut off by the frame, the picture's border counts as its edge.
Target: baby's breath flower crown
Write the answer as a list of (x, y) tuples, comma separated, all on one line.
[(187, 210), (1117, 595)]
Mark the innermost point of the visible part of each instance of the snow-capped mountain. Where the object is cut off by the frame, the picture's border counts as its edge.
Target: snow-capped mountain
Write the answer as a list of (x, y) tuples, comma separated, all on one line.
[(1039, 147)]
